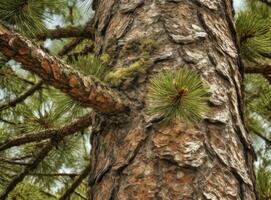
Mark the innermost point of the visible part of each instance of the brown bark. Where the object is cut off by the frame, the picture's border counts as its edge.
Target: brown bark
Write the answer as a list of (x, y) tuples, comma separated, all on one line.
[(66, 32), (86, 89), (144, 159)]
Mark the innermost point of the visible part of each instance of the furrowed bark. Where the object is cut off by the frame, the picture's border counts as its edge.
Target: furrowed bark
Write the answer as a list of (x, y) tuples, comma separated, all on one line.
[(145, 159), (85, 89), (78, 125)]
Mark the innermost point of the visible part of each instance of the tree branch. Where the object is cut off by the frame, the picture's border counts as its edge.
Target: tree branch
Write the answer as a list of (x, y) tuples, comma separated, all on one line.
[(35, 162), (85, 89), (8, 122), (264, 69), (13, 162), (70, 46), (22, 97), (71, 175), (66, 32), (267, 141), (76, 183), (266, 2), (258, 69), (85, 51), (66, 130), (80, 195)]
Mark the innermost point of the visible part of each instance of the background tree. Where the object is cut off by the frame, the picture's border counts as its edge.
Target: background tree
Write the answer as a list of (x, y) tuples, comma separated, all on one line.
[(45, 155)]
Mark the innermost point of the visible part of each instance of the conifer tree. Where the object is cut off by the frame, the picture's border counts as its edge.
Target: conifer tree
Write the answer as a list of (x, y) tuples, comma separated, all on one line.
[(134, 99)]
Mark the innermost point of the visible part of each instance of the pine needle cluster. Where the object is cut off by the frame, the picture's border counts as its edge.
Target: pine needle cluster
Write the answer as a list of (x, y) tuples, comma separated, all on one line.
[(254, 31), (178, 94), (27, 15), (92, 65)]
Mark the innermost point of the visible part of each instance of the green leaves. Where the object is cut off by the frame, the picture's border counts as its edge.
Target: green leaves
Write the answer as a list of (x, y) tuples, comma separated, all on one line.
[(178, 94), (27, 15)]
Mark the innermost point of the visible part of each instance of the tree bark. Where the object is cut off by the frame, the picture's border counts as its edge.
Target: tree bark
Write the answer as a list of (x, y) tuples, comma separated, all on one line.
[(143, 158), (86, 89)]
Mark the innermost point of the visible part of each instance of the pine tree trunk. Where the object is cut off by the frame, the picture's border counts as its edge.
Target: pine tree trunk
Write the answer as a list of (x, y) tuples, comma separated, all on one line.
[(139, 158)]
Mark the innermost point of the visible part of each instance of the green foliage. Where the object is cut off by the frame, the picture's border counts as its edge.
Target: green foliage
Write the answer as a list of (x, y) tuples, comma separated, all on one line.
[(28, 191), (254, 32), (263, 174), (264, 184), (178, 94), (92, 65), (28, 15)]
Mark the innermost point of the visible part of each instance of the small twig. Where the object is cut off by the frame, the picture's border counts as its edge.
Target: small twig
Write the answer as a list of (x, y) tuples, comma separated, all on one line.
[(70, 46), (7, 121), (85, 51), (267, 141), (79, 124), (13, 162), (71, 175), (80, 195), (35, 162), (22, 97), (76, 183)]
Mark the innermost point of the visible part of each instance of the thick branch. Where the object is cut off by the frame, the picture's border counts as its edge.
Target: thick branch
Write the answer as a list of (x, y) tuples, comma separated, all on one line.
[(258, 69), (35, 161), (22, 97), (66, 130), (66, 32), (86, 89), (75, 184)]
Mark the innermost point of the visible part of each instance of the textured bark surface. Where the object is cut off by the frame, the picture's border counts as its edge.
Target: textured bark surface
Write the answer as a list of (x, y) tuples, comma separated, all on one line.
[(144, 159), (86, 89)]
